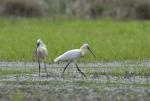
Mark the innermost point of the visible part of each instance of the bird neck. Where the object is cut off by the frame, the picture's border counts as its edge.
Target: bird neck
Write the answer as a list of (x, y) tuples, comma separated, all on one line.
[(42, 45)]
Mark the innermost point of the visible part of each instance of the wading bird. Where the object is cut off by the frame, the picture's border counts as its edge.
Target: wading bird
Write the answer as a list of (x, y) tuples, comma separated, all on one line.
[(71, 56), (41, 53)]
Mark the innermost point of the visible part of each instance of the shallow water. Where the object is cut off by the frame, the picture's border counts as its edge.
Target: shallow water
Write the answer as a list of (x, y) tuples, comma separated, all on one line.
[(72, 74), (73, 86), (145, 63)]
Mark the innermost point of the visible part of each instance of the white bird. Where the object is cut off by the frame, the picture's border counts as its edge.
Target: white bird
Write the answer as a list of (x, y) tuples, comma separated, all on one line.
[(41, 53), (71, 56)]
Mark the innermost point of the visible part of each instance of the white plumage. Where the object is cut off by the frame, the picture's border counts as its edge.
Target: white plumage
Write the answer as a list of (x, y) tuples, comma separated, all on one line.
[(72, 55), (41, 50), (41, 53), (69, 55)]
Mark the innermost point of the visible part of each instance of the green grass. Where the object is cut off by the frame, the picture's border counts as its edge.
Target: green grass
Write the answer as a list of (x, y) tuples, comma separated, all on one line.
[(110, 40)]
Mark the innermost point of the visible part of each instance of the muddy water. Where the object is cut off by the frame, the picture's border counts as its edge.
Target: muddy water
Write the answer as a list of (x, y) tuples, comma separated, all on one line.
[(135, 81), (72, 74), (73, 87), (96, 64)]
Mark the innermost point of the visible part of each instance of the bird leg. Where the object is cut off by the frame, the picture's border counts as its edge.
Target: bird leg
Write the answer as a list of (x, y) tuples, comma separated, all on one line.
[(79, 70), (66, 67), (45, 69), (39, 67)]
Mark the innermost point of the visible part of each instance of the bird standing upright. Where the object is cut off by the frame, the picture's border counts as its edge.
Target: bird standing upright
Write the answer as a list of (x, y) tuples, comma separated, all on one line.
[(71, 56), (41, 54)]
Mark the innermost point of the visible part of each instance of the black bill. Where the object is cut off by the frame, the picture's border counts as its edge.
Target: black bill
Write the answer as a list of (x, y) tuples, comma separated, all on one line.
[(91, 52)]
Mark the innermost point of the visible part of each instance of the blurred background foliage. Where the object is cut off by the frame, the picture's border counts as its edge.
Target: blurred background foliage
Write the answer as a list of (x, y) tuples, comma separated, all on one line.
[(87, 9)]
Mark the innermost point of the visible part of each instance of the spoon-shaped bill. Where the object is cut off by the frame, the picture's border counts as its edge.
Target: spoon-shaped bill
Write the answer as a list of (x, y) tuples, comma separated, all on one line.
[(91, 52)]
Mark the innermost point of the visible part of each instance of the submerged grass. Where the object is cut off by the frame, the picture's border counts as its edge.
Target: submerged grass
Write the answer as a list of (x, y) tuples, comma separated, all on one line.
[(5, 71), (120, 71), (26, 75), (79, 83), (110, 40)]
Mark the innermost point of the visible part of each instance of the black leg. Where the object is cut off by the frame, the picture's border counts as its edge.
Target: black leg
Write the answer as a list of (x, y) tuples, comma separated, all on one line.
[(79, 70), (39, 67), (45, 69), (66, 67)]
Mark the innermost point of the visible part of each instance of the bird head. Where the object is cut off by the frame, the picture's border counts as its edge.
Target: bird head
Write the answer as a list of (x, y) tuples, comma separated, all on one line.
[(85, 48), (39, 42)]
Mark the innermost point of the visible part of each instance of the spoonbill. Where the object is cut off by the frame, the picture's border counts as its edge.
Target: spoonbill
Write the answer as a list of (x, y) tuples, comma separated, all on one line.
[(41, 53), (72, 55)]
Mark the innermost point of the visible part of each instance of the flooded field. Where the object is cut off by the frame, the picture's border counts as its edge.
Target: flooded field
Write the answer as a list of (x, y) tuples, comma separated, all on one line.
[(113, 81)]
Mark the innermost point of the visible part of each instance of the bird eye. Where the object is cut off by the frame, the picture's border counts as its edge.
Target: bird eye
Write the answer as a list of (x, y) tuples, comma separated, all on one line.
[(38, 44)]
